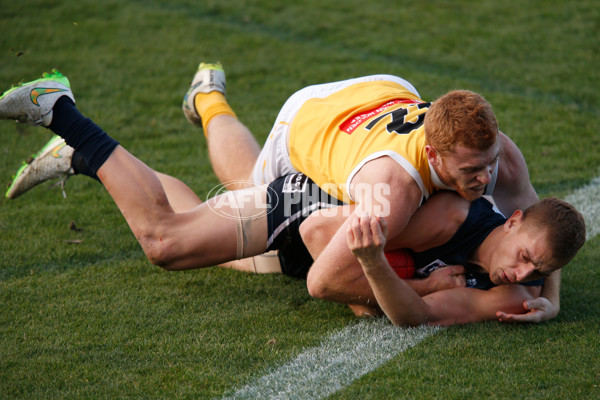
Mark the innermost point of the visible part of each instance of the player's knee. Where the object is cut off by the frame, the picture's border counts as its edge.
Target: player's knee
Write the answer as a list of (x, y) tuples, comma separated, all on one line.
[(157, 251), (309, 232), (314, 233)]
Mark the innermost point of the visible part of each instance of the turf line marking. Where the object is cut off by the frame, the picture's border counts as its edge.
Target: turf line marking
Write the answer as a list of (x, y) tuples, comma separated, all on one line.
[(341, 358), (354, 351), (587, 201)]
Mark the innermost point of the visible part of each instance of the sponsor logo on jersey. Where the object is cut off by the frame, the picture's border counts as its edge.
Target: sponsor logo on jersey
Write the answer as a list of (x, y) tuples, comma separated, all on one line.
[(356, 120)]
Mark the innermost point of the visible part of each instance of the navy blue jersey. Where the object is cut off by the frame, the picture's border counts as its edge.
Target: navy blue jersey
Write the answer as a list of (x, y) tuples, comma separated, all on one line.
[(480, 222), (297, 196)]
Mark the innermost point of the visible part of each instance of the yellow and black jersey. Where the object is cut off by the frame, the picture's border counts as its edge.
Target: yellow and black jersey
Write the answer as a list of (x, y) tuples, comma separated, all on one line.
[(331, 138)]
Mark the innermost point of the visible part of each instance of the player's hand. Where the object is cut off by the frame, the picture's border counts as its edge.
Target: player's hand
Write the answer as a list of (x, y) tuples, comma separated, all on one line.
[(540, 309), (366, 237), (448, 277)]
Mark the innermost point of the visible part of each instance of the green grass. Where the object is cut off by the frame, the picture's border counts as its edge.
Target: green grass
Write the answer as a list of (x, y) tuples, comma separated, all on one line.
[(96, 320)]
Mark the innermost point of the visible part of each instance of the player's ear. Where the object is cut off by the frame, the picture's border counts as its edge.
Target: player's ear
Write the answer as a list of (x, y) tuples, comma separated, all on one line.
[(514, 221), (432, 155)]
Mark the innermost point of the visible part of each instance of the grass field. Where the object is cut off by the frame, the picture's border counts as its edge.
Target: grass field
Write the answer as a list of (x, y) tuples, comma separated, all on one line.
[(94, 320)]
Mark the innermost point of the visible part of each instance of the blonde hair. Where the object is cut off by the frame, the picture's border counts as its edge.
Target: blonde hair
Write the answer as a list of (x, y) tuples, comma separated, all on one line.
[(564, 226)]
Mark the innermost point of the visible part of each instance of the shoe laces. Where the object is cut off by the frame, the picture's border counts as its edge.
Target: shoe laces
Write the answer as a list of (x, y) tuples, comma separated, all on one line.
[(61, 182)]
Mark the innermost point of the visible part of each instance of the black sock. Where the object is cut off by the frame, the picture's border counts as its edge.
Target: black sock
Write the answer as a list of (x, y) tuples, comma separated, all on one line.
[(80, 166), (81, 133)]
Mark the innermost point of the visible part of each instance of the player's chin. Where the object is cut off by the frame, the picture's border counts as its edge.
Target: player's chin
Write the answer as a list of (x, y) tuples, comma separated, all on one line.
[(495, 278), (471, 194), (500, 278)]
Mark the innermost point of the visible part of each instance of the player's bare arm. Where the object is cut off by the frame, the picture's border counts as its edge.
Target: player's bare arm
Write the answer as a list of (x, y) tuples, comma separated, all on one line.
[(403, 198), (404, 307), (318, 230), (422, 232), (513, 190), (466, 305)]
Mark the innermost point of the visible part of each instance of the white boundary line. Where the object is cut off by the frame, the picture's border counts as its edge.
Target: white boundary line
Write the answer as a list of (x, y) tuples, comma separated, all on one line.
[(587, 201), (361, 348), (340, 359)]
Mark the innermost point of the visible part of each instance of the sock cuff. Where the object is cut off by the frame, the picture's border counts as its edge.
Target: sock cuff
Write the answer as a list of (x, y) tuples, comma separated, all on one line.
[(81, 133), (210, 105)]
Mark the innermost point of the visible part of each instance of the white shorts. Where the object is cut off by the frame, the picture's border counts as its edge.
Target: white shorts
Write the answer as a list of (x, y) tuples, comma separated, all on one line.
[(274, 160)]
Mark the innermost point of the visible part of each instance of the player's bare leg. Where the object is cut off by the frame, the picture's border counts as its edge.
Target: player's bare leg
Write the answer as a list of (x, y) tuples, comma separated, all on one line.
[(180, 196), (183, 199), (204, 236), (198, 238), (232, 148)]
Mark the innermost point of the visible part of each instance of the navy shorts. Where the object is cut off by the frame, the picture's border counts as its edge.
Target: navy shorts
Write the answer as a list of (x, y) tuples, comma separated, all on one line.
[(291, 199)]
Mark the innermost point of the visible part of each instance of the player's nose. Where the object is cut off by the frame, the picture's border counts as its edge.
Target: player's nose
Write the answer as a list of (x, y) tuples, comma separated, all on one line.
[(485, 176), (523, 272)]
